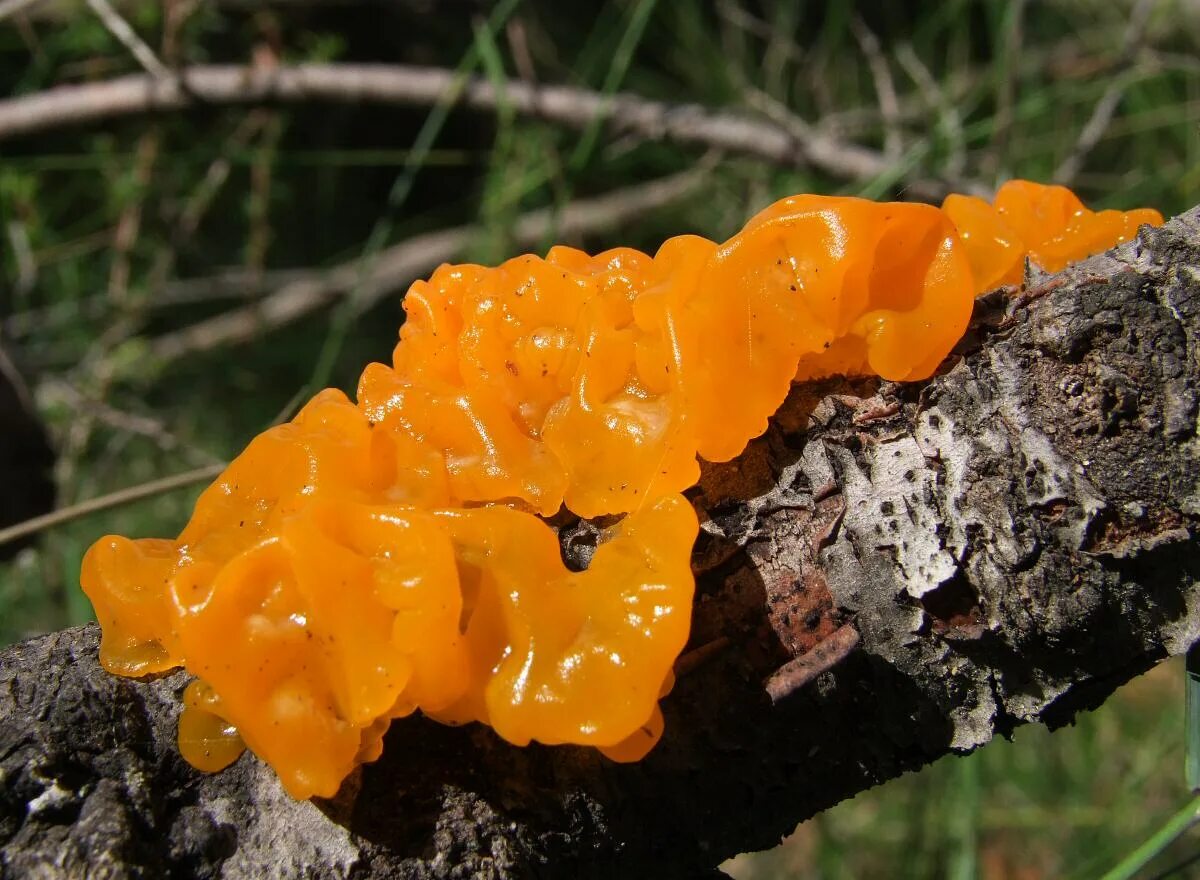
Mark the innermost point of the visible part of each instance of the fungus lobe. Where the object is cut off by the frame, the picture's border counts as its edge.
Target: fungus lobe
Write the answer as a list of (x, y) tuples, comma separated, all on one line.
[(376, 557)]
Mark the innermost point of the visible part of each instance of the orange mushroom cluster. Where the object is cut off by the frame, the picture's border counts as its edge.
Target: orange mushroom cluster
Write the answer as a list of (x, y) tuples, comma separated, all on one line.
[(372, 558), (1047, 224)]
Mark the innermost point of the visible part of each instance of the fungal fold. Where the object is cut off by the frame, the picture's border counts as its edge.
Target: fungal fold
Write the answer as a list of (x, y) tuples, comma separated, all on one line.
[(379, 556)]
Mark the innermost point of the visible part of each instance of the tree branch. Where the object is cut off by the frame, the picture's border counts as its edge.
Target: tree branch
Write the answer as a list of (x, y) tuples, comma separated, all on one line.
[(124, 33), (10, 8), (687, 124), (914, 569)]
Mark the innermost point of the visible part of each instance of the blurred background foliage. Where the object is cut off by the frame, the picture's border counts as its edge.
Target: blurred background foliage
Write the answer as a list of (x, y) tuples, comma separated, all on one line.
[(119, 233)]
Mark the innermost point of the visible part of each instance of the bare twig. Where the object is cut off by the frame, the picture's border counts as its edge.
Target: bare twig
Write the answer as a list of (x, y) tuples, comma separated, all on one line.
[(233, 283), (259, 206), (577, 108), (752, 24), (9, 8), (697, 657), (958, 85), (777, 112), (98, 374), (107, 502), (18, 238), (518, 48), (885, 88), (224, 284), (10, 373), (175, 16), (1106, 107), (126, 422), (129, 224), (217, 174), (799, 671), (194, 210), (926, 188), (949, 119), (116, 25), (29, 37), (396, 266)]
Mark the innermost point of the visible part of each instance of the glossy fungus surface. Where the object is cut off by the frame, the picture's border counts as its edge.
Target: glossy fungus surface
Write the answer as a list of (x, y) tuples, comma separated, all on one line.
[(1047, 224), (376, 557)]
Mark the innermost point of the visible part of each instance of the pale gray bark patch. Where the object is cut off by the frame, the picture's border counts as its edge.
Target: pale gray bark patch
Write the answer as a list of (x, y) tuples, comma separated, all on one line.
[(1011, 541)]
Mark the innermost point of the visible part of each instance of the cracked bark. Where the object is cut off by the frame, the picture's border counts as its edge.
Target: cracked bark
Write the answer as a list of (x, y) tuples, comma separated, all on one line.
[(908, 570)]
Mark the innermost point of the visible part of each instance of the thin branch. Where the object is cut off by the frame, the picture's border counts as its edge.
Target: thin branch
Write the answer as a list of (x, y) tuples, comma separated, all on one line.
[(755, 26), (106, 502), (124, 33), (885, 88), (396, 266), (689, 124), (129, 224), (10, 373), (518, 49), (23, 256), (120, 420), (99, 376), (926, 188), (200, 200), (1106, 107), (9, 8), (224, 284), (949, 119), (262, 171), (215, 177)]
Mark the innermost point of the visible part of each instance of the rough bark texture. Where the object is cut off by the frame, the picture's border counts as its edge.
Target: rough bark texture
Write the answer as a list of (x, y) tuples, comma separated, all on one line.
[(911, 569)]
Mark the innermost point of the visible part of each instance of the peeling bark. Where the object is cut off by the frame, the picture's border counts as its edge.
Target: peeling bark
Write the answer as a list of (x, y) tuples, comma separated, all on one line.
[(909, 570)]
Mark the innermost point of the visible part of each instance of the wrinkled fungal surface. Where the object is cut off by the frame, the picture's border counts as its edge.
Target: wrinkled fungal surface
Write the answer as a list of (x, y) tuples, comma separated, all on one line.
[(376, 557), (891, 573)]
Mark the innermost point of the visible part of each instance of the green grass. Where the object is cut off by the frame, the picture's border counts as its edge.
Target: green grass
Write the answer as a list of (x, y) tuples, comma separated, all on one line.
[(1068, 804), (311, 187)]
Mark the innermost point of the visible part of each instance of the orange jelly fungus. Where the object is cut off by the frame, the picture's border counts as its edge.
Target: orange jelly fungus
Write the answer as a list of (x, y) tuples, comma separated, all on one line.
[(372, 558), (1047, 224)]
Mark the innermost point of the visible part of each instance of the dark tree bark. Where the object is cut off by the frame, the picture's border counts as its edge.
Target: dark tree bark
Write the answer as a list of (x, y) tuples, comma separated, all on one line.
[(891, 573)]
